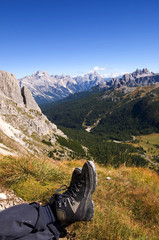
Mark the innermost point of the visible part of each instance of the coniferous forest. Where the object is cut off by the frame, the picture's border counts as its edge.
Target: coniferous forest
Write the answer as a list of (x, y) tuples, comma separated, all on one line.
[(114, 117)]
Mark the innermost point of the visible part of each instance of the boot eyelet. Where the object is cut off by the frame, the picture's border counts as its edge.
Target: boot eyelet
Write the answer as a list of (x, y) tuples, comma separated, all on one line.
[(59, 204)]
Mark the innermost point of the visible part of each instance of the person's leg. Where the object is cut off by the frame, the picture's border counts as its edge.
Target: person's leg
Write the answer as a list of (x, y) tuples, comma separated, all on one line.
[(44, 235), (17, 221), (23, 221), (27, 222), (33, 222)]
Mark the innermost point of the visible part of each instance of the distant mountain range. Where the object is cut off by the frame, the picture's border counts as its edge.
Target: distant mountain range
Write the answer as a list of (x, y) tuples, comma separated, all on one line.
[(138, 78), (46, 88)]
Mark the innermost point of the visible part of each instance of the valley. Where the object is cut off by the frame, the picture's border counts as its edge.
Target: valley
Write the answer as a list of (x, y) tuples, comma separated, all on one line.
[(117, 128), (90, 124), (79, 120), (102, 119)]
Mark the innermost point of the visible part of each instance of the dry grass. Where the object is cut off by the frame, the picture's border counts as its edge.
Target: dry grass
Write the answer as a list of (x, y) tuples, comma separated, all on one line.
[(126, 206)]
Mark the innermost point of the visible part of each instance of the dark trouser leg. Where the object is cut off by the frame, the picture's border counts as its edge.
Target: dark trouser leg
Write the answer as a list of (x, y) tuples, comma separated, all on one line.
[(26, 222)]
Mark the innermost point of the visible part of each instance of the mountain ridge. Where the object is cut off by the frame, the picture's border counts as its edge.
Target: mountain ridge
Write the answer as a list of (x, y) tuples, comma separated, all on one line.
[(137, 78), (48, 88)]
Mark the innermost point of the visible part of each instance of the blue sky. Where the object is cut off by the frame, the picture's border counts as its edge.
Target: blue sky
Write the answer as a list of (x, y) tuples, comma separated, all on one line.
[(75, 36)]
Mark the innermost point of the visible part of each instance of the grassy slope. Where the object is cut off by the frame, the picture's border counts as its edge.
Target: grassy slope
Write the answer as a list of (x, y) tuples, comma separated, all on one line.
[(150, 143), (126, 206)]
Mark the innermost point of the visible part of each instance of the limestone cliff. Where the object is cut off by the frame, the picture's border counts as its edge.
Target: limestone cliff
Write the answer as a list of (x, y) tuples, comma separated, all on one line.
[(9, 87), (23, 127)]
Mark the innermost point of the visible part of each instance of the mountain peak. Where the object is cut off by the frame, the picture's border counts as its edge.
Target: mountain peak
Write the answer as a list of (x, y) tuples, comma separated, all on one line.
[(137, 74), (145, 70), (141, 73), (92, 75), (41, 74)]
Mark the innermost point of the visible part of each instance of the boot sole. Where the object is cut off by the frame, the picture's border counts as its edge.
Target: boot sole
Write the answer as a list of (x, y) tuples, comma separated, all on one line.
[(93, 177), (92, 165), (90, 211)]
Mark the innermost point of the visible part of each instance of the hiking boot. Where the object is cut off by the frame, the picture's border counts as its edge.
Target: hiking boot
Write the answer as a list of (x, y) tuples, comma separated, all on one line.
[(75, 204), (76, 175)]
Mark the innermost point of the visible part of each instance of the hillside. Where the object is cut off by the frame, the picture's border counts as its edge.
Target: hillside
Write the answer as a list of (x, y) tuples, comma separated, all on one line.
[(136, 113), (126, 203), (117, 112), (99, 120), (24, 130)]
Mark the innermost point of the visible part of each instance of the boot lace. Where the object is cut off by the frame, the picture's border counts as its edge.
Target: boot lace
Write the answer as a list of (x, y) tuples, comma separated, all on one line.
[(70, 192)]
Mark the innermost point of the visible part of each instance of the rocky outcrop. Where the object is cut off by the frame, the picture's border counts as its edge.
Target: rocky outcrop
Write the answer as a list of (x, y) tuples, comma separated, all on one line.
[(9, 87), (22, 122), (29, 100), (139, 78)]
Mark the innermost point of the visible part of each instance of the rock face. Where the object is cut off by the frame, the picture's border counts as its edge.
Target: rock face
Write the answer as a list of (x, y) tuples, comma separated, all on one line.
[(22, 122), (139, 78), (9, 87), (29, 100)]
